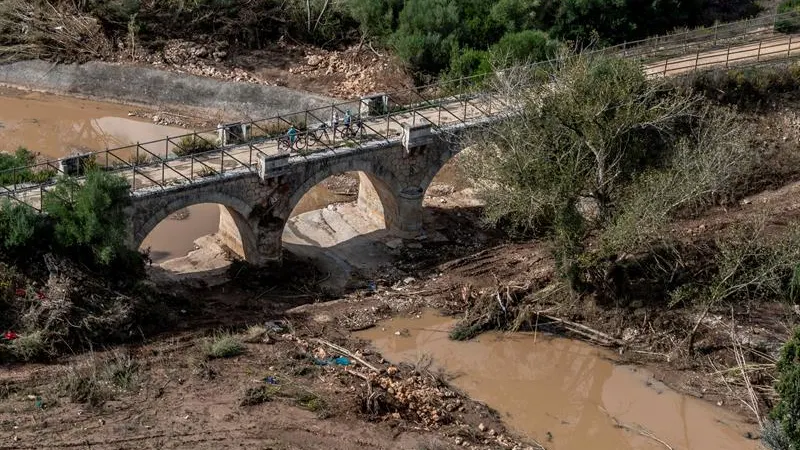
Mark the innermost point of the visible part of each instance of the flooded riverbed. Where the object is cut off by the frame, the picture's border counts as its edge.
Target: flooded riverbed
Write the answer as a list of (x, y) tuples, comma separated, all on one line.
[(56, 126), (565, 394)]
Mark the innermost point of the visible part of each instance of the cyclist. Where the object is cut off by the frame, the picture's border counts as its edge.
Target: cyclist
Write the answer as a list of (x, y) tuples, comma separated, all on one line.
[(347, 118), (292, 133)]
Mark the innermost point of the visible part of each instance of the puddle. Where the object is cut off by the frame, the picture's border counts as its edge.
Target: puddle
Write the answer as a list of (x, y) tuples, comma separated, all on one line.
[(567, 388)]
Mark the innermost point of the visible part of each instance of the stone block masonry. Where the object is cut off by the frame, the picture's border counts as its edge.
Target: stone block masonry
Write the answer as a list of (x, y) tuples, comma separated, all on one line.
[(256, 205)]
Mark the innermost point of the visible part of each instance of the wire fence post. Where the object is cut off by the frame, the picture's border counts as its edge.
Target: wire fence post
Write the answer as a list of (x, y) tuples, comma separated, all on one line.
[(728, 55), (696, 60), (716, 24), (665, 67), (758, 55), (789, 50)]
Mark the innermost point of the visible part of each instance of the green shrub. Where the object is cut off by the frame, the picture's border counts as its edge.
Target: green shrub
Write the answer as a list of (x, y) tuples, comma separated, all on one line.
[(90, 216), (747, 87), (223, 345), (192, 144), (787, 412), (526, 46), (790, 23), (427, 34), (12, 167), (29, 346), (376, 18), (469, 63), (19, 226)]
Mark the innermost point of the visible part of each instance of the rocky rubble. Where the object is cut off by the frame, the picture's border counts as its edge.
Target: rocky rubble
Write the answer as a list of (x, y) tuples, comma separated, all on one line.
[(344, 73)]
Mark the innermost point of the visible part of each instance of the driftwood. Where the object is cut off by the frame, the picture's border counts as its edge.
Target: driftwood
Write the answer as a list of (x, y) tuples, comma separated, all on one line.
[(357, 374), (348, 353), (637, 429), (583, 330)]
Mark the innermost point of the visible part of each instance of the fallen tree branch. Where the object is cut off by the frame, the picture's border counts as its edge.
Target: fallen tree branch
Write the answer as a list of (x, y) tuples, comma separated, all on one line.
[(357, 374), (584, 330), (348, 353), (636, 429)]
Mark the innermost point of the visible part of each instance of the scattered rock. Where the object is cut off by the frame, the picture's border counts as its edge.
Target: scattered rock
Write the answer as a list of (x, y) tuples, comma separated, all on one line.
[(394, 243)]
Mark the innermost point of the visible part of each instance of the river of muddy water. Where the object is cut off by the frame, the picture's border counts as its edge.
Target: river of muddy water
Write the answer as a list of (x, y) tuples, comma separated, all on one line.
[(566, 394), (57, 126)]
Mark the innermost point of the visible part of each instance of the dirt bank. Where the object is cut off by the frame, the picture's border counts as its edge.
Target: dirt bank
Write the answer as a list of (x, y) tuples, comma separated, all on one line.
[(150, 87)]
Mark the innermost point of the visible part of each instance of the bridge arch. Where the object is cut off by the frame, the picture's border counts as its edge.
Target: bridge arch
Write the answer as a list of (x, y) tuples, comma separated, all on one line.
[(235, 230), (377, 192)]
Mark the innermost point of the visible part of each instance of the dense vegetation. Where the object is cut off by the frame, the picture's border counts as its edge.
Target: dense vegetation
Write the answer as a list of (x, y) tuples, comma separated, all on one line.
[(83, 231), (14, 169), (431, 36), (608, 166)]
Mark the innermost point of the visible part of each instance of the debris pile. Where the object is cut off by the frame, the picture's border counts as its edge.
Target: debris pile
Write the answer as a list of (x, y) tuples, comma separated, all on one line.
[(431, 402)]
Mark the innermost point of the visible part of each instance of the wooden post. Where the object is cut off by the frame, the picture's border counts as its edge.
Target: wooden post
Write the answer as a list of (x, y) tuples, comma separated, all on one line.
[(716, 24), (728, 55)]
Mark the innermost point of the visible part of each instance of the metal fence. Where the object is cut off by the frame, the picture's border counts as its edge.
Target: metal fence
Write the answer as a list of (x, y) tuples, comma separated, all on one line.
[(767, 49), (195, 156)]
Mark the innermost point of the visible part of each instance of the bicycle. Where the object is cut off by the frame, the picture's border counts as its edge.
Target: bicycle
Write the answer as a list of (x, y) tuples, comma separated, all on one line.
[(316, 136), (350, 131), (285, 143)]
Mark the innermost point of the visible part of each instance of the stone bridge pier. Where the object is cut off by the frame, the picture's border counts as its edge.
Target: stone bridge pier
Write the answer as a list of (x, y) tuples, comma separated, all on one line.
[(255, 207)]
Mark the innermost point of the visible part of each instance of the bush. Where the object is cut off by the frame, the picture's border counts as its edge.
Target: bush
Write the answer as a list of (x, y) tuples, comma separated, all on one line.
[(791, 22), (20, 226), (192, 144), (747, 87), (90, 217), (98, 381), (13, 168), (377, 18), (223, 345), (787, 412), (468, 63), (526, 46), (427, 34), (29, 346)]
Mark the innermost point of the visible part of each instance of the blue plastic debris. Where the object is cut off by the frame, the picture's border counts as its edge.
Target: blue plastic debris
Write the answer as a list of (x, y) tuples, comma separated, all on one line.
[(342, 361)]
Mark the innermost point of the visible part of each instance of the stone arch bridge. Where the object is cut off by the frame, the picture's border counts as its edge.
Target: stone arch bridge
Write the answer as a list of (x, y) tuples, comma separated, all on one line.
[(255, 205)]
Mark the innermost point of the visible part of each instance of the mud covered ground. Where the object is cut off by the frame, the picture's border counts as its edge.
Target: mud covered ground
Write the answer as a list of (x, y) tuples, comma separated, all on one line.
[(168, 393)]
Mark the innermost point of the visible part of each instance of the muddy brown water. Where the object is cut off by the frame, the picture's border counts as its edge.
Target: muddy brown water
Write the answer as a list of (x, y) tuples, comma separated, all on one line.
[(57, 126), (566, 394)]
